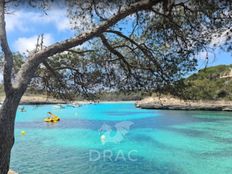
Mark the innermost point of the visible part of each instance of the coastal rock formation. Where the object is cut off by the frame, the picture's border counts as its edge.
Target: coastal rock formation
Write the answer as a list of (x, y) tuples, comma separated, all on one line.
[(170, 103)]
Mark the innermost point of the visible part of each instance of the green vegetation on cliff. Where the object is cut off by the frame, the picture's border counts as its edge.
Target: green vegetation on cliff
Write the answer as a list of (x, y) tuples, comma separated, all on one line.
[(211, 83)]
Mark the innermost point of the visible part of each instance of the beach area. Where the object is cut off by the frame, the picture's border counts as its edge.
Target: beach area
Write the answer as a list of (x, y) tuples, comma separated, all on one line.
[(43, 99)]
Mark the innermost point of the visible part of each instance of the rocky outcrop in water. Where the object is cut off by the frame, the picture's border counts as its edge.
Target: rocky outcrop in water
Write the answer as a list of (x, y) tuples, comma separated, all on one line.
[(169, 103)]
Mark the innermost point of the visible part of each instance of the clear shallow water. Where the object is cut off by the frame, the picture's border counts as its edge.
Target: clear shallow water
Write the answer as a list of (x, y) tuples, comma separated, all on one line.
[(158, 142)]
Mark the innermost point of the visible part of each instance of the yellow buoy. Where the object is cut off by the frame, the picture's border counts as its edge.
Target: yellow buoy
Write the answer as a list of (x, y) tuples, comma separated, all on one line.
[(23, 132)]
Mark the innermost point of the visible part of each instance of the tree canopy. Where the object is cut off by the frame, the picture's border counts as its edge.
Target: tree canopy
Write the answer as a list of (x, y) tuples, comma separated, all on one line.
[(158, 46)]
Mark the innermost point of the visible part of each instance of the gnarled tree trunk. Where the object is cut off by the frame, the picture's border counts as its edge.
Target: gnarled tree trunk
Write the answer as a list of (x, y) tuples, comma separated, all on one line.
[(7, 120)]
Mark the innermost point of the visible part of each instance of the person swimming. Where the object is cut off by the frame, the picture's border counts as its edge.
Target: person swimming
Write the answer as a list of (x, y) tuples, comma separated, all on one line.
[(22, 109)]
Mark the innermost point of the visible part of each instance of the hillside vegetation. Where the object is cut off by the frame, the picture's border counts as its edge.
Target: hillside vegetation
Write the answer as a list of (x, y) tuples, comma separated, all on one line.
[(210, 84)]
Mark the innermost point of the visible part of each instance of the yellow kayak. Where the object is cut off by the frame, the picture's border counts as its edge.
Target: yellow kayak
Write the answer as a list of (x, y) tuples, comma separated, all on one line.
[(48, 119), (52, 119), (56, 118)]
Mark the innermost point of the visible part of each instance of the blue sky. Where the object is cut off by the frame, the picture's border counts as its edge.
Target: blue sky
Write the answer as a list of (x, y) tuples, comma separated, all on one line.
[(218, 57), (23, 27)]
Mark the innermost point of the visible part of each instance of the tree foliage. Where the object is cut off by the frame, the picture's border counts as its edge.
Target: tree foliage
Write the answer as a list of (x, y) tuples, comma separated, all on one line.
[(158, 46)]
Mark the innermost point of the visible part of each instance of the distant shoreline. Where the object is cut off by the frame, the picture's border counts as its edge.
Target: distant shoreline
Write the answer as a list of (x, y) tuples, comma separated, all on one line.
[(170, 103), (74, 102), (40, 100), (158, 103)]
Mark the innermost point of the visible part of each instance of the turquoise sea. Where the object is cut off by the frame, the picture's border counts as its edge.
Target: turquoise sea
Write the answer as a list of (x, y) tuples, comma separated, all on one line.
[(118, 138)]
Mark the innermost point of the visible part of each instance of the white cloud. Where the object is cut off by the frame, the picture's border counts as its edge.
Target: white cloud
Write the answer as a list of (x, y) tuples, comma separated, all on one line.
[(54, 16), (24, 44), (15, 21), (23, 20)]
